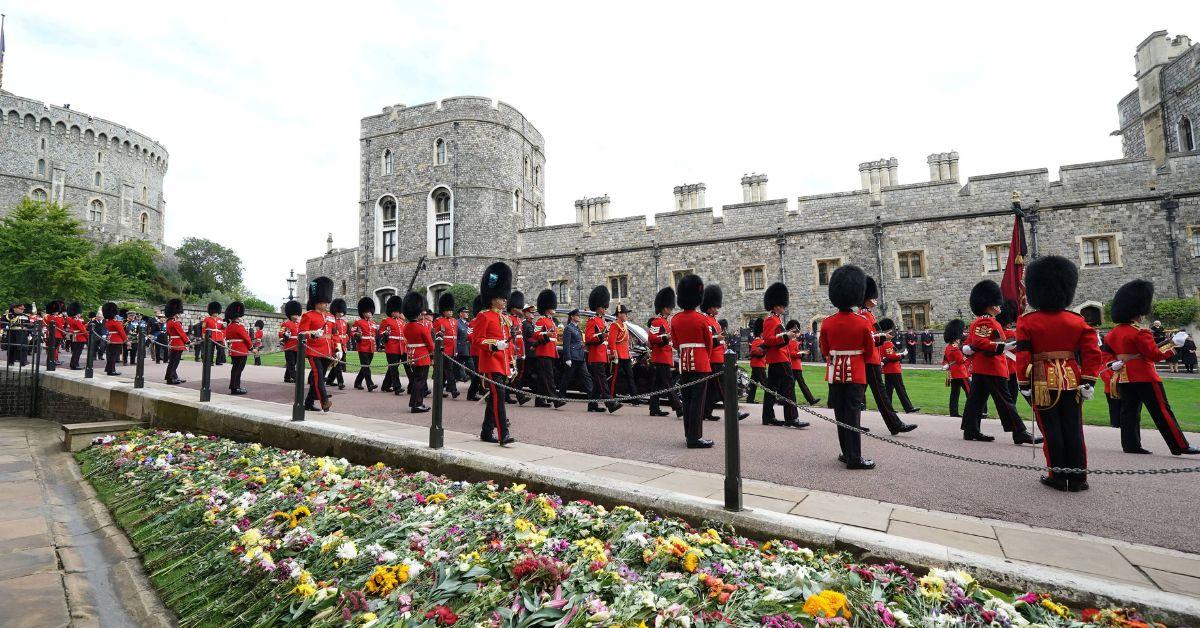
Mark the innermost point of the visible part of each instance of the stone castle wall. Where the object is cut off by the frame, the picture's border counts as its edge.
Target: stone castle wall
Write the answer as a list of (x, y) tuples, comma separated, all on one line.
[(54, 153)]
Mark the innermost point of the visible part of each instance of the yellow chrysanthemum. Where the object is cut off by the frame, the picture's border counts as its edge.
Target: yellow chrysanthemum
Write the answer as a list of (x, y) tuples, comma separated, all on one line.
[(828, 604), (386, 578), (932, 587), (1057, 609), (305, 590), (437, 498), (691, 560)]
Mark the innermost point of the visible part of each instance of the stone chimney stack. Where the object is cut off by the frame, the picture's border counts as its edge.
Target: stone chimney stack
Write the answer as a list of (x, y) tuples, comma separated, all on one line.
[(589, 210), (754, 188), (689, 196), (329, 244), (879, 174), (943, 166)]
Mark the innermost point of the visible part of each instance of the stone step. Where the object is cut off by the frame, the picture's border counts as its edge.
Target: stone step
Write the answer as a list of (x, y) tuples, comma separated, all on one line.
[(76, 436)]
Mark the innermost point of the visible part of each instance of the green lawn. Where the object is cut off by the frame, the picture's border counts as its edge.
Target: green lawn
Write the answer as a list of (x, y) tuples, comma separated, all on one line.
[(928, 391)]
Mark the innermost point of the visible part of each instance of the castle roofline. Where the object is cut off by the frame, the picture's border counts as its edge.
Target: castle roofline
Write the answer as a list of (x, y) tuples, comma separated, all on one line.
[(69, 115)]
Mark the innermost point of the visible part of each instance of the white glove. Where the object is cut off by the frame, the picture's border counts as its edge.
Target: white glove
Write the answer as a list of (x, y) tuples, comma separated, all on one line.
[(318, 333), (968, 350), (1116, 365), (945, 367), (568, 363), (1086, 392), (1010, 355), (501, 345), (1027, 392), (1009, 346), (1179, 338)]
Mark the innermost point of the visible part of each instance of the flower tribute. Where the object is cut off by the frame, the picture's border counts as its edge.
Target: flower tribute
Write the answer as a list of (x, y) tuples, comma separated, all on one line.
[(241, 534)]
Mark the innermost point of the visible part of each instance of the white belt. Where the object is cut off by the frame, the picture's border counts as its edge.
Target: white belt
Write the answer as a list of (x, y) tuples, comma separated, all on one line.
[(838, 353), (693, 345), (448, 337), (416, 346)]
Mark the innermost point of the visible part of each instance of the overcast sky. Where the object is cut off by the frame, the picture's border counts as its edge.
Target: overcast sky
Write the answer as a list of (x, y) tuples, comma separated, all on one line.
[(258, 103)]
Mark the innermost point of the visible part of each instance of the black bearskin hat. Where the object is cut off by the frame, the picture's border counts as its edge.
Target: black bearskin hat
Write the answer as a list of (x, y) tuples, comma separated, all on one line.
[(173, 307), (547, 300), (664, 298), (756, 326), (954, 331), (259, 324), (985, 294), (793, 324), (599, 297), (1008, 313), (445, 302), (292, 308), (776, 294), (476, 305), (337, 306), (366, 305), (414, 304), (712, 297), (395, 303), (108, 310), (53, 306), (214, 308), (689, 292), (1132, 300), (1050, 283), (496, 283), (320, 290), (73, 309), (872, 290), (886, 324), (847, 287), (236, 309), (516, 300)]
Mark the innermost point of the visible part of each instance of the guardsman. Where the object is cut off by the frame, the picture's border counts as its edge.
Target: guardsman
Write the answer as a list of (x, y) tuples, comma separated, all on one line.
[(237, 337), (289, 334), (846, 338), (989, 368), (462, 352), (1049, 376), (595, 338), (16, 327), (955, 364), (391, 330), (338, 340), (758, 363), (195, 332), (476, 387), (875, 364), (662, 354), (446, 326), (779, 360), (927, 346), (491, 335), (692, 337), (317, 325), (213, 327), (893, 376), (54, 318), (116, 338), (1135, 375), (911, 344), (177, 340), (710, 307), (1110, 387), (258, 341), (618, 343), (545, 346), (77, 333), (797, 354), (420, 350), (528, 323), (516, 347), (364, 333)]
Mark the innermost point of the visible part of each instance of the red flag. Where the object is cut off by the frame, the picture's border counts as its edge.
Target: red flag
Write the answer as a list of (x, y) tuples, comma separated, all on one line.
[(1013, 284)]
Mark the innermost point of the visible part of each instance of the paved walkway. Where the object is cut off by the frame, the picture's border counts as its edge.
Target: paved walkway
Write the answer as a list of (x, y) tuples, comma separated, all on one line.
[(62, 559)]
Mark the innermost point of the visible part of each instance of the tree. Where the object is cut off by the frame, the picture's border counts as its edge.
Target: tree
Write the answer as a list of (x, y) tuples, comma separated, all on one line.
[(130, 269), (207, 266), (463, 293), (43, 255), (254, 303), (1176, 312)]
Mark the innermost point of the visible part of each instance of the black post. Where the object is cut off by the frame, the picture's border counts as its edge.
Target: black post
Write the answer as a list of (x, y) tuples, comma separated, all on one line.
[(51, 348), (91, 351), (733, 443), (206, 355), (139, 374), (436, 433), (35, 384), (298, 401)]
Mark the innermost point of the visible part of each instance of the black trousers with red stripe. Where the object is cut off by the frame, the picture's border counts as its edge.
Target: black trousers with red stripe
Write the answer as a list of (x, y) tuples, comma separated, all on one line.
[(1150, 394), (418, 386), (1062, 429), (758, 375), (894, 383), (996, 387), (662, 378), (364, 370), (622, 379), (780, 380), (847, 401), (798, 374), (882, 402), (317, 368), (235, 372), (958, 384), (694, 405), (495, 419), (600, 384)]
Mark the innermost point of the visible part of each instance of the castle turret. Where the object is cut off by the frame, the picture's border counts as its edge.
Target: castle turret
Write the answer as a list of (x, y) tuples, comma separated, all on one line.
[(1152, 114)]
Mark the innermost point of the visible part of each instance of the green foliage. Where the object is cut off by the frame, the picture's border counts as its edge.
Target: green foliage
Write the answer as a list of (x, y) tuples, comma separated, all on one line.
[(249, 300), (43, 255), (463, 293), (1176, 312), (206, 266), (254, 303), (129, 269)]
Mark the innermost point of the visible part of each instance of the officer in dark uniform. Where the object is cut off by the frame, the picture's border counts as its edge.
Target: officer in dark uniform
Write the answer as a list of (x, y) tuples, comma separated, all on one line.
[(16, 327)]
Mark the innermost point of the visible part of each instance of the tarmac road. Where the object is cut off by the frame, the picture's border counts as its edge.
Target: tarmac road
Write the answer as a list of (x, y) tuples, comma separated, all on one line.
[(1159, 510)]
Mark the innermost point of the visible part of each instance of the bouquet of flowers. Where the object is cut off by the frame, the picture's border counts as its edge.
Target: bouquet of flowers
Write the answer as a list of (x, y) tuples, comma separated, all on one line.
[(241, 534)]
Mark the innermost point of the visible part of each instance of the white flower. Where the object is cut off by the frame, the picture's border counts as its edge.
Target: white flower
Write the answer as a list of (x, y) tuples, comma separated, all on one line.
[(347, 551), (386, 556), (414, 567), (901, 618)]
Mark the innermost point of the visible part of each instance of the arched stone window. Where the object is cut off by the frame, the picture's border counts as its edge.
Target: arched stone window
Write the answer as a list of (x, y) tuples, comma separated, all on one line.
[(144, 222), (41, 167), (386, 210), (96, 211), (145, 194), (525, 169), (99, 179), (1187, 139), (516, 201), (537, 176), (441, 223), (388, 163), (439, 151), (39, 195)]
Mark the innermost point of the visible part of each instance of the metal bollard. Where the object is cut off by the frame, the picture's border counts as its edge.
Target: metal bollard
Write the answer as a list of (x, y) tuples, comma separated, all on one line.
[(206, 355), (91, 353), (35, 378), (139, 373), (733, 443), (51, 348), (436, 432), (298, 401)]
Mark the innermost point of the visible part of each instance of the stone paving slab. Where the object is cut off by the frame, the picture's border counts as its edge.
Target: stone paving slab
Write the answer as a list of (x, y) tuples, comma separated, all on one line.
[(958, 540), (855, 511), (1173, 582), (33, 601), (1057, 550)]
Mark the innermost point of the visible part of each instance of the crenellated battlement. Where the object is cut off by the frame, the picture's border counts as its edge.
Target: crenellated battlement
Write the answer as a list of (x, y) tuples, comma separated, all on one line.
[(400, 117)]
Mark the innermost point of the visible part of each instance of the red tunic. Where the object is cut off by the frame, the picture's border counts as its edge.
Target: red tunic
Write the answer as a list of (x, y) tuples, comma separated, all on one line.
[(177, 336), (846, 339), (215, 324), (340, 337), (313, 320), (545, 338), (1047, 342), (78, 329), (757, 354), (116, 331), (618, 336), (393, 336), (595, 338), (516, 346), (474, 349), (491, 327), (871, 357), (794, 351), (258, 338), (891, 358), (986, 337), (775, 340), (237, 339), (288, 333), (366, 330), (957, 361), (60, 324), (420, 344), (691, 334), (1134, 345), (448, 328), (716, 355), (659, 337)]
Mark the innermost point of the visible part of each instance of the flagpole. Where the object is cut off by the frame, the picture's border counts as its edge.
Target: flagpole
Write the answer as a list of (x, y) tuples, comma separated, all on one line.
[(2, 20)]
